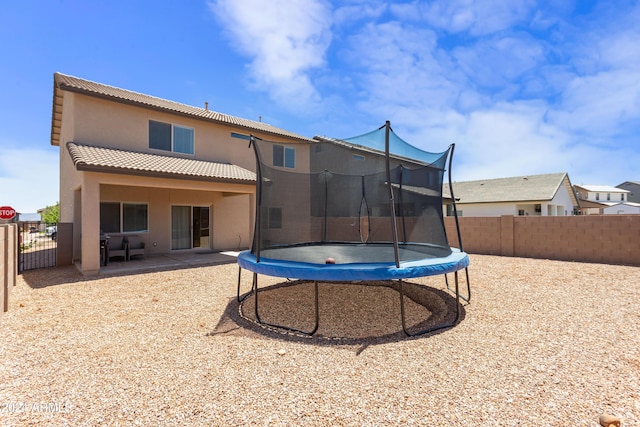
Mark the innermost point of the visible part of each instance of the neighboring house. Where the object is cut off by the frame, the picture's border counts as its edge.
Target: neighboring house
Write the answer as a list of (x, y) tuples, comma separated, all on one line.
[(180, 177), (605, 200), (543, 195), (634, 190)]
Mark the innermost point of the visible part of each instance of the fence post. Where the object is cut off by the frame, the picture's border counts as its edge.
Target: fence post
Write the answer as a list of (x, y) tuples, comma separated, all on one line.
[(8, 262), (4, 267)]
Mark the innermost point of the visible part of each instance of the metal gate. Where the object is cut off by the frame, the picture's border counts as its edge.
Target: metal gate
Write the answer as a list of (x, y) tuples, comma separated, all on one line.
[(37, 246)]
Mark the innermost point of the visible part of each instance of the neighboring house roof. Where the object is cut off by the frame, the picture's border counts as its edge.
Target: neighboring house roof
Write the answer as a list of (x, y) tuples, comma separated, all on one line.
[(602, 189), (532, 188), (584, 203), (63, 82), (609, 204), (111, 160)]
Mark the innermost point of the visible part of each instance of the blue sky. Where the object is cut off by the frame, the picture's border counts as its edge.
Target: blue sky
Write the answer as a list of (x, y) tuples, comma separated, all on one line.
[(521, 87)]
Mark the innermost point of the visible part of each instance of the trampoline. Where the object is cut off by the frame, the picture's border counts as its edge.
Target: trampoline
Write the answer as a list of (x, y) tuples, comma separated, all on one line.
[(368, 208)]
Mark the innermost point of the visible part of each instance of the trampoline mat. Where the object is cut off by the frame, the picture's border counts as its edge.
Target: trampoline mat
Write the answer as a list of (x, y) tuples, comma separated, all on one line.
[(353, 253)]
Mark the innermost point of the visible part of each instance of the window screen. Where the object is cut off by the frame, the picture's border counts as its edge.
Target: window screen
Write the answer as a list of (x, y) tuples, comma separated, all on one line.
[(182, 139), (134, 217), (159, 135), (284, 156), (110, 217)]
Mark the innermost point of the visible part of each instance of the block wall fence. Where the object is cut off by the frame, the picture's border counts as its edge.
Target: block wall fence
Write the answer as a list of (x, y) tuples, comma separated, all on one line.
[(606, 239)]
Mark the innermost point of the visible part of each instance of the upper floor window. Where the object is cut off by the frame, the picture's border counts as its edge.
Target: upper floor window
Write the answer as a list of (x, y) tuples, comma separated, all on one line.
[(284, 156), (608, 196), (597, 196), (170, 137), (622, 197)]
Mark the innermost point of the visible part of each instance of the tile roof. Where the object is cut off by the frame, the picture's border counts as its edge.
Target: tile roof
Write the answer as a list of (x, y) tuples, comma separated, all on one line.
[(101, 159), (513, 189), (63, 82)]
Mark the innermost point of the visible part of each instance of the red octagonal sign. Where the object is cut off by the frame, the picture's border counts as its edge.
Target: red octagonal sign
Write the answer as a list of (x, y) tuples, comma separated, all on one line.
[(7, 212)]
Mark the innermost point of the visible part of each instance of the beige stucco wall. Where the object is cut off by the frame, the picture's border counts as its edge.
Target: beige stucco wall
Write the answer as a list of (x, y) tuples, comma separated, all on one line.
[(109, 124)]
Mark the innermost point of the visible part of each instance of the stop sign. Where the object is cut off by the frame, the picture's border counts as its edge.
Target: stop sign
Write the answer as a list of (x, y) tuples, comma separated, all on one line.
[(7, 212)]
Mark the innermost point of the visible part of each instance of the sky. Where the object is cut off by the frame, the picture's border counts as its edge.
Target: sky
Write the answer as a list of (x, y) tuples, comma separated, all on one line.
[(522, 87)]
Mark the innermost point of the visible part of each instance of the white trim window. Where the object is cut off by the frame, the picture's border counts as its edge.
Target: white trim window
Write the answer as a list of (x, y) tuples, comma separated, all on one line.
[(170, 137), (284, 156)]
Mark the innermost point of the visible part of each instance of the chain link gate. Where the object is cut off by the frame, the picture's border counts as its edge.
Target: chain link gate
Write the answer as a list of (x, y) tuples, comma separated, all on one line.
[(37, 245)]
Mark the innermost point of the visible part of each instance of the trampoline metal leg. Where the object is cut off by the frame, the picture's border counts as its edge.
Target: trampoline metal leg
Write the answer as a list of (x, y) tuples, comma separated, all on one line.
[(401, 291), (257, 315), (238, 293), (468, 297), (437, 327), (254, 289)]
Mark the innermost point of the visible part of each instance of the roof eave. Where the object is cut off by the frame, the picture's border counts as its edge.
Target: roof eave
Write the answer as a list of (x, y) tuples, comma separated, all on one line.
[(56, 115), (85, 167)]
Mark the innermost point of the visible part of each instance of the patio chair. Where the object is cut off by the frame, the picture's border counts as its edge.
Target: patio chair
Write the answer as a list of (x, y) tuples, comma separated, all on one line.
[(135, 247), (118, 247)]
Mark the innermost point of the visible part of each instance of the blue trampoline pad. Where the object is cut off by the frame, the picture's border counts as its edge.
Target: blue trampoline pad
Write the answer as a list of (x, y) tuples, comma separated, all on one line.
[(354, 262)]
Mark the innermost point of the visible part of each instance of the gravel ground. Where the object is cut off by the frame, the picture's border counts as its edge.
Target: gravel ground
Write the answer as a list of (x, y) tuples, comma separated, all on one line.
[(542, 343)]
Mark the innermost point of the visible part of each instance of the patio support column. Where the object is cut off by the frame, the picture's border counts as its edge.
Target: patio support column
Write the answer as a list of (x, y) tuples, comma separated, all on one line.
[(90, 226)]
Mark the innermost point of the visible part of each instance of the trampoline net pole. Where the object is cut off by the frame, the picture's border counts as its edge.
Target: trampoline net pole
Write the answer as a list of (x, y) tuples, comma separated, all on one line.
[(392, 207)]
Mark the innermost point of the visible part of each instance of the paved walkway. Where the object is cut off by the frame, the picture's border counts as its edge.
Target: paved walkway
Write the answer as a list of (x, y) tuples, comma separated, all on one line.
[(168, 261)]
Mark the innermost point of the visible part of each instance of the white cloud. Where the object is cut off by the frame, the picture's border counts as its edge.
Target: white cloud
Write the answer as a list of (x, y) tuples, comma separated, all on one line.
[(285, 41), (600, 105), (29, 179), (476, 17), (513, 103), (521, 88), (498, 62), (601, 100), (399, 65), (358, 10), (511, 139)]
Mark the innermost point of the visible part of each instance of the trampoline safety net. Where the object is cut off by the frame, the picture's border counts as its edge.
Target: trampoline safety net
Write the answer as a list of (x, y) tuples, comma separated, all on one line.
[(374, 190)]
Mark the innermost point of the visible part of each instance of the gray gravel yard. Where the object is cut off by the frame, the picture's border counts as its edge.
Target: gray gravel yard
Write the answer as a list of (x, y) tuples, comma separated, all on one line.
[(542, 343)]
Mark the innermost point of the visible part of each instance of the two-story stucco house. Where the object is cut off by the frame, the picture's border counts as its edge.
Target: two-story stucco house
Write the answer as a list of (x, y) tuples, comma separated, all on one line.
[(544, 195), (178, 177), (605, 200)]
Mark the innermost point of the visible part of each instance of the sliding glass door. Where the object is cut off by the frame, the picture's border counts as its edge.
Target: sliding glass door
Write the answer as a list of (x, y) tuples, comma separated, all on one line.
[(201, 227), (190, 227)]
